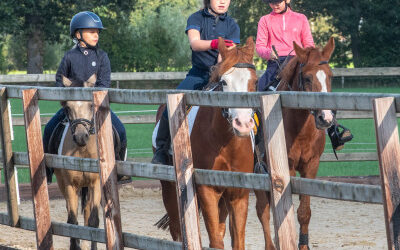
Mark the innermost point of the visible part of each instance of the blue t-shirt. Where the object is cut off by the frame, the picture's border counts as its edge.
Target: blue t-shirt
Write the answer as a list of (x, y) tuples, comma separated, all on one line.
[(211, 27)]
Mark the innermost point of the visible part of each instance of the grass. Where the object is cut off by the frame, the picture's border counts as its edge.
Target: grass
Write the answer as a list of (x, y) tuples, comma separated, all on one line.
[(139, 136)]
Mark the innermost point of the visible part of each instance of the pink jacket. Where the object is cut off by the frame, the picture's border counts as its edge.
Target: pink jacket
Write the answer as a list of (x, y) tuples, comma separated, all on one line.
[(281, 30)]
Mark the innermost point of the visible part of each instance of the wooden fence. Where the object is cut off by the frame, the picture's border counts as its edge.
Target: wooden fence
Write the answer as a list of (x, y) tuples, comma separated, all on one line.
[(383, 106), (179, 76)]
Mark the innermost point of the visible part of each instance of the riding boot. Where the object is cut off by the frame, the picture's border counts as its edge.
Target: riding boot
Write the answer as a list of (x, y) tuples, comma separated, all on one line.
[(339, 135), (122, 179), (163, 142)]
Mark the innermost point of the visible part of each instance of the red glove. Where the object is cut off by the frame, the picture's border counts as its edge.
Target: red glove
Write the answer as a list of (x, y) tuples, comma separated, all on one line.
[(214, 43)]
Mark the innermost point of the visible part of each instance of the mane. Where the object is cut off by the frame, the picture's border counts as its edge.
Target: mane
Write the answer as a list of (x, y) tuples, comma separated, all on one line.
[(235, 55)]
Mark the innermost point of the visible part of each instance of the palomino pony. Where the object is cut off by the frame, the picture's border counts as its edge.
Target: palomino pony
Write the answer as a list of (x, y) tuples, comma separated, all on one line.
[(221, 140), (79, 140), (304, 129)]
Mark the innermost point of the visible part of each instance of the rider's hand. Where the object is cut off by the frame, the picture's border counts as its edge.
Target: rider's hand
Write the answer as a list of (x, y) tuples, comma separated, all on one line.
[(214, 43), (273, 56)]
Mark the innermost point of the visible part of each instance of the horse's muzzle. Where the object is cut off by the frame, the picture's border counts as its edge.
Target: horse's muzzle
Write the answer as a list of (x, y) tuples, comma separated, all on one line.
[(323, 118), (81, 139)]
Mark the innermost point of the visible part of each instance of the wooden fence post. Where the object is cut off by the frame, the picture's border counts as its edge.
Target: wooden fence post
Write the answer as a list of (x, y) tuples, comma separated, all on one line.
[(108, 171), (44, 238), (278, 168), (8, 163), (187, 201), (387, 141)]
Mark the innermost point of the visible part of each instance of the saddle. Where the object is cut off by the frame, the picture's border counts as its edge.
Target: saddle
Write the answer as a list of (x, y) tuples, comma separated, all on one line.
[(55, 141)]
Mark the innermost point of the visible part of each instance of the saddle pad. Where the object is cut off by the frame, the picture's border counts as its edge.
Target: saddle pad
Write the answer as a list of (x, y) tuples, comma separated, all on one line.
[(191, 119)]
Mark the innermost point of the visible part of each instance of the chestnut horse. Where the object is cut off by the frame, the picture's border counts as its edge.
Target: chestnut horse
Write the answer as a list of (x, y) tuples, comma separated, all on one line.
[(304, 129), (221, 140), (79, 140)]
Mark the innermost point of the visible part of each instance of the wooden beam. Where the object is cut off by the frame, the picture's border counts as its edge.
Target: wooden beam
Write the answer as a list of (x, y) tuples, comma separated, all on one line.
[(183, 162), (319, 188), (388, 146), (8, 164), (98, 235), (178, 76), (44, 238), (289, 99), (278, 168), (108, 171)]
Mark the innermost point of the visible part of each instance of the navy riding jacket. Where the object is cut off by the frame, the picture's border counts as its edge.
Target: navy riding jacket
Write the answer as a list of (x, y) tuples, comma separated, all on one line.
[(79, 64)]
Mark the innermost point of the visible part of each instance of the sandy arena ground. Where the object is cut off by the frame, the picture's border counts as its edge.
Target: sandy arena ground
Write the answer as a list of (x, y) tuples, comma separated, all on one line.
[(334, 224)]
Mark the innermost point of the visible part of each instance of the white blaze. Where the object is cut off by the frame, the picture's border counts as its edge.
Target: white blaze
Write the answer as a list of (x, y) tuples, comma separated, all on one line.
[(237, 81), (321, 76)]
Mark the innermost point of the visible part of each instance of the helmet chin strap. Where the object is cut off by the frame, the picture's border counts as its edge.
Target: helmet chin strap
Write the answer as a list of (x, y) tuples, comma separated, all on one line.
[(283, 11), (82, 40), (213, 11)]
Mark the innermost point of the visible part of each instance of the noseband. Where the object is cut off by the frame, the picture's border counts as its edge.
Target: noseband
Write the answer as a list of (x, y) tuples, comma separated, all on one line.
[(89, 125), (219, 86)]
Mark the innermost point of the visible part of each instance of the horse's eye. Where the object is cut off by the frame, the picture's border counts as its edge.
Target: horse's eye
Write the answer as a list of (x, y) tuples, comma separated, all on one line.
[(223, 83), (308, 80)]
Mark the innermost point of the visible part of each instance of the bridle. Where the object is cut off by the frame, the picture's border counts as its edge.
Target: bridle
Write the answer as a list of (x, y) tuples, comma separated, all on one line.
[(89, 125), (301, 84), (219, 86)]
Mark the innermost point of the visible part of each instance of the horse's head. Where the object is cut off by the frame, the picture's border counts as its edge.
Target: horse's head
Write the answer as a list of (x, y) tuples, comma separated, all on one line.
[(236, 73), (309, 71), (80, 113)]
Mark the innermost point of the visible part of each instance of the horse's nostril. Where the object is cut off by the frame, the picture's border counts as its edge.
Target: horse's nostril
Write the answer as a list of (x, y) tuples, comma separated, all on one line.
[(237, 121)]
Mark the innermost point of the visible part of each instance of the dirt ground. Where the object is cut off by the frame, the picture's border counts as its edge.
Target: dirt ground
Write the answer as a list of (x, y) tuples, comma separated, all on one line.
[(334, 224)]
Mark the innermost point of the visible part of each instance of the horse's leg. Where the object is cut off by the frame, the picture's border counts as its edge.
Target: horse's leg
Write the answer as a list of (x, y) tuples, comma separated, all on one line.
[(304, 210), (209, 200), (171, 205), (263, 200), (72, 208), (238, 207), (91, 208), (223, 213)]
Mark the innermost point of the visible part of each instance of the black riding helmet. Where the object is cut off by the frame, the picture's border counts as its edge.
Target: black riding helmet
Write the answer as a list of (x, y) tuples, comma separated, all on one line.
[(85, 20)]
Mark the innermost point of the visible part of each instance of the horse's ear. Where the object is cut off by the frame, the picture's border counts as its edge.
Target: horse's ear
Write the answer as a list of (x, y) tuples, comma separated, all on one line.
[(328, 49), (67, 82), (222, 47), (300, 52), (89, 83), (250, 44)]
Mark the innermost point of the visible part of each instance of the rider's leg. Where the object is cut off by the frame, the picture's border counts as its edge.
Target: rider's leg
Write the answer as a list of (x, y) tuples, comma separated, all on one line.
[(117, 124), (122, 154), (195, 79), (48, 130)]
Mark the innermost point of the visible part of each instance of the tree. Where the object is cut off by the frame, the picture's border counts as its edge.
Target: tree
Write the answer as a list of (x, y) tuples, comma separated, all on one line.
[(372, 27), (37, 21)]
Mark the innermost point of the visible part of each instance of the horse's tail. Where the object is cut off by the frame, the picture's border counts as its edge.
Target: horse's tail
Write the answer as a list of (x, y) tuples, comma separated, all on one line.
[(163, 223), (84, 197)]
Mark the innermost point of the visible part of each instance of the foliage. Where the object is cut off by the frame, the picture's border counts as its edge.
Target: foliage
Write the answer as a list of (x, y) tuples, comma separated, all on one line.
[(371, 27), (152, 38)]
